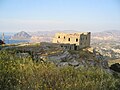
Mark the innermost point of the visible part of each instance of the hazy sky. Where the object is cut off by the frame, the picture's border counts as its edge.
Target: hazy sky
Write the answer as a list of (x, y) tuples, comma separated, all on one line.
[(39, 15)]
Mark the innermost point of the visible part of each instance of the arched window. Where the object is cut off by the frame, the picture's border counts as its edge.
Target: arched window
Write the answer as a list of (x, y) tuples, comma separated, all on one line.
[(58, 36)]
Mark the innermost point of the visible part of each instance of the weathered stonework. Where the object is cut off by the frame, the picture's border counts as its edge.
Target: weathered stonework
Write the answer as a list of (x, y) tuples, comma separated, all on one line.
[(73, 41)]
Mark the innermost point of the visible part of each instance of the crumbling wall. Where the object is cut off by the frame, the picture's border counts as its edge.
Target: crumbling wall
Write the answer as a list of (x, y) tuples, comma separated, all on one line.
[(81, 40)]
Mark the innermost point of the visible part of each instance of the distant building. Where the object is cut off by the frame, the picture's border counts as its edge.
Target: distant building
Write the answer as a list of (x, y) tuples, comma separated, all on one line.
[(73, 41)]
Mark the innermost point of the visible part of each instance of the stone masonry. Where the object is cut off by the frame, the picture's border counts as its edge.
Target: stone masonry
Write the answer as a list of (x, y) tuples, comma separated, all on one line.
[(73, 41)]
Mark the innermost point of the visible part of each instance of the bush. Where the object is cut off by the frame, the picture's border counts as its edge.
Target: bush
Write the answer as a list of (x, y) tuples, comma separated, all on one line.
[(24, 74)]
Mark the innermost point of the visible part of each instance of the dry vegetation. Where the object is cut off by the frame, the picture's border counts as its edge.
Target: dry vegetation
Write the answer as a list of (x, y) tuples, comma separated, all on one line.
[(25, 74)]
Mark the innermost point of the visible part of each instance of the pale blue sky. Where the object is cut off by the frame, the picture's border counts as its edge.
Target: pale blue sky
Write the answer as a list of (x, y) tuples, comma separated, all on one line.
[(39, 15)]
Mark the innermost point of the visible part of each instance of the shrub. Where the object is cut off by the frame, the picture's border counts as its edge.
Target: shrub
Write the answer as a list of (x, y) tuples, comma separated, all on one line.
[(24, 74)]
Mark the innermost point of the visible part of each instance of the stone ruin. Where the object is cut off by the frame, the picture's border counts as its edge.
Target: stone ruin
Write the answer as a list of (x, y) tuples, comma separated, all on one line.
[(74, 41)]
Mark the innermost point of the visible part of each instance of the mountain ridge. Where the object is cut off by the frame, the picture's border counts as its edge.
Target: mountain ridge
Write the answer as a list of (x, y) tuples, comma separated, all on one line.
[(21, 36), (108, 35)]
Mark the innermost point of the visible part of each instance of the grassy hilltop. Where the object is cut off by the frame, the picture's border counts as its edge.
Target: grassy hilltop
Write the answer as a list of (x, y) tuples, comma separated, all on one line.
[(31, 67)]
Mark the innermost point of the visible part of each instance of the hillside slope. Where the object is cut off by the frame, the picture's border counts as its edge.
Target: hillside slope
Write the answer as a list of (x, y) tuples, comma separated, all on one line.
[(48, 52)]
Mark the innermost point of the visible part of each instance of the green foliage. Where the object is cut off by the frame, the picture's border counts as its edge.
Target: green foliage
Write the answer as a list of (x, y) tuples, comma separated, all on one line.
[(24, 74)]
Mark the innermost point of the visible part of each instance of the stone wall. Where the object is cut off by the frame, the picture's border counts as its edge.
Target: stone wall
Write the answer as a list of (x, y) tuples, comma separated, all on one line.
[(80, 40), (85, 40)]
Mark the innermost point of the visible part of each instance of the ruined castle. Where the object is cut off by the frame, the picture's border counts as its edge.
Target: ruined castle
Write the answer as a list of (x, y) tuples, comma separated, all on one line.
[(73, 41)]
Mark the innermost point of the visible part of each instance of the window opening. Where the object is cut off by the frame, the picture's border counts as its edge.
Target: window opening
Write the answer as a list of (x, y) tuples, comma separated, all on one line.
[(68, 39), (77, 40)]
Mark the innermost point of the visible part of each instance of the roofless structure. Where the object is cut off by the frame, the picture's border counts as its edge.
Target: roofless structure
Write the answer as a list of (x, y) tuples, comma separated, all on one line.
[(73, 41)]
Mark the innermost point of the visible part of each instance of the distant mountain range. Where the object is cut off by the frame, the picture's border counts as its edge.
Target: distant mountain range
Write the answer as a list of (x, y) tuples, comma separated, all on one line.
[(50, 33), (21, 36), (113, 35), (46, 36)]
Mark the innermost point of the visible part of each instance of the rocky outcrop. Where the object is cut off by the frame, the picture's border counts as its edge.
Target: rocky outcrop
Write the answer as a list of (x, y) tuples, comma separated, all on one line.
[(115, 67), (48, 52), (67, 59)]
